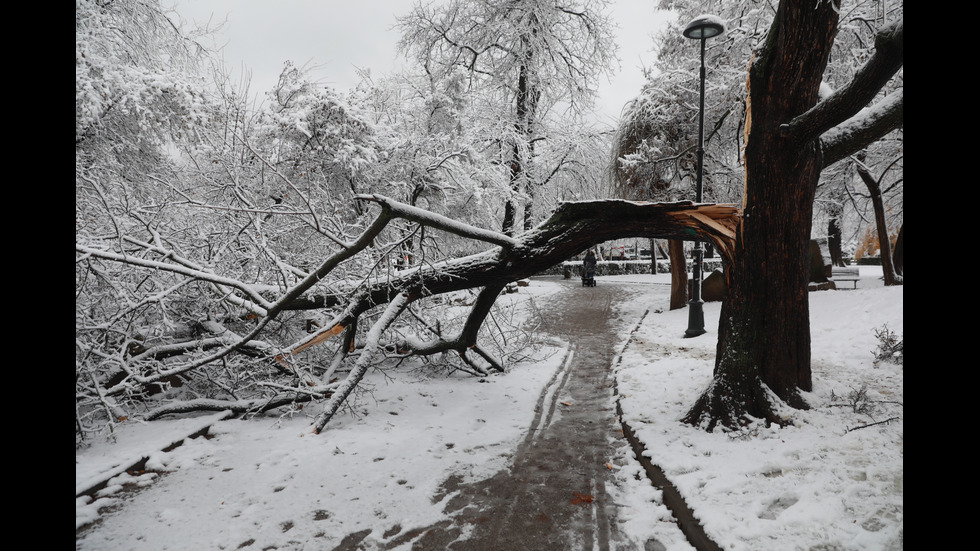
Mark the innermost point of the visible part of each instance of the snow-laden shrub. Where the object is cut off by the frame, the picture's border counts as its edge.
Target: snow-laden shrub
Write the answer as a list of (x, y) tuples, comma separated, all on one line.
[(890, 347)]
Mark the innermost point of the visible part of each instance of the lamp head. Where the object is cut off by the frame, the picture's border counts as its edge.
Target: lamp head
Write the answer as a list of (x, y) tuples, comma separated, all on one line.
[(704, 26)]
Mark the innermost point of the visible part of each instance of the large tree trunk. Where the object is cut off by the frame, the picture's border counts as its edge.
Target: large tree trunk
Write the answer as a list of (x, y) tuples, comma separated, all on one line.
[(523, 152), (764, 327), (678, 274), (572, 228)]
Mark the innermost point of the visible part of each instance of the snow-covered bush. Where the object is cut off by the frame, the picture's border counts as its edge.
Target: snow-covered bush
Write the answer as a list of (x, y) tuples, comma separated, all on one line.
[(890, 347)]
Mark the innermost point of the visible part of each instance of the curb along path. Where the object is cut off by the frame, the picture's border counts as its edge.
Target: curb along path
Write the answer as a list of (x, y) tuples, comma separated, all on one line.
[(689, 525)]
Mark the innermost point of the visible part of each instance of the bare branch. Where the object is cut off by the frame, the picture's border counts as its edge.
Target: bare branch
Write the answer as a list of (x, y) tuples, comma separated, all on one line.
[(889, 420)]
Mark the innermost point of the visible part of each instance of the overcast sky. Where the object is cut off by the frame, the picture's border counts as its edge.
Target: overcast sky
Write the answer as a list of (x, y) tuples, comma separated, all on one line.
[(337, 36)]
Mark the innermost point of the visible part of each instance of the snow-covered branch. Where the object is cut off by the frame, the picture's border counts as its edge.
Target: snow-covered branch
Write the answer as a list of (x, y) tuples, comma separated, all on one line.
[(437, 221), (846, 102), (371, 348), (259, 305), (237, 407), (863, 129)]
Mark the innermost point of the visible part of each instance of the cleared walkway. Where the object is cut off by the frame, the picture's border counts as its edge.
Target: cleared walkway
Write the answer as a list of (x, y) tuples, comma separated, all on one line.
[(554, 497)]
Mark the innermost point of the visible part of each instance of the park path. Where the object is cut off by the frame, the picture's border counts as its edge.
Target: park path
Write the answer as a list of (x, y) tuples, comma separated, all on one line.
[(554, 497)]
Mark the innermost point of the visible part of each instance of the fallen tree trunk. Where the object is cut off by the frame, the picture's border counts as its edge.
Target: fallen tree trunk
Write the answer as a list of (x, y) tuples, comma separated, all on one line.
[(572, 228)]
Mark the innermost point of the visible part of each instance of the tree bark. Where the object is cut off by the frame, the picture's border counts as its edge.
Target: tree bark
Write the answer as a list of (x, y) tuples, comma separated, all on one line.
[(764, 328), (653, 256), (572, 228), (678, 274), (510, 205), (763, 353), (522, 151)]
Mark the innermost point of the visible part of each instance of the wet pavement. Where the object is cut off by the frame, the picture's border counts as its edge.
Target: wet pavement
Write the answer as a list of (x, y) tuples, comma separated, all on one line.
[(554, 496)]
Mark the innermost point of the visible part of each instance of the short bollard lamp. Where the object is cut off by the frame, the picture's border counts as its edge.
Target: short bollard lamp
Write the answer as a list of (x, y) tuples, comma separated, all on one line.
[(700, 28)]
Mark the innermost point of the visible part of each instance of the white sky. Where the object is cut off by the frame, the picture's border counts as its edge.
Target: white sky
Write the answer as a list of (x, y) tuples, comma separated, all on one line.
[(337, 36)]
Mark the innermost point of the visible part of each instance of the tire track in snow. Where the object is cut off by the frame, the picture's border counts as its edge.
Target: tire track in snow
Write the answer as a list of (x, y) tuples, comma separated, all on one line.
[(553, 498)]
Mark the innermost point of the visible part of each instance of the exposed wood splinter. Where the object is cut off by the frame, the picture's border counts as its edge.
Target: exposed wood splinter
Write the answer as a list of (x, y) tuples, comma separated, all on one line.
[(317, 339)]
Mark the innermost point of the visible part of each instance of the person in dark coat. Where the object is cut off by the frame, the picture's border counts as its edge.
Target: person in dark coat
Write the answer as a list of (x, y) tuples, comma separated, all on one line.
[(588, 265)]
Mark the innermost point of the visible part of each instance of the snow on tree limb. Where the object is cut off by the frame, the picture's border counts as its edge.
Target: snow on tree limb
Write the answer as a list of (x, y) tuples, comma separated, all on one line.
[(437, 221), (863, 129), (848, 101), (371, 347), (259, 306)]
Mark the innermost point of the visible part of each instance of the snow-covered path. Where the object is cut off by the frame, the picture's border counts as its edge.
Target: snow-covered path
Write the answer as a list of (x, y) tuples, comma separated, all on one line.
[(556, 494), (424, 461)]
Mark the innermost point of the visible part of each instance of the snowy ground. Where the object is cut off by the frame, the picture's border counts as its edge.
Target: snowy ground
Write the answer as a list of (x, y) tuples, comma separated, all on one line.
[(831, 482)]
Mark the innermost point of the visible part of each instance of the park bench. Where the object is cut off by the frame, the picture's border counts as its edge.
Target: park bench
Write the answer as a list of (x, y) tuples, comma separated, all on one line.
[(847, 273)]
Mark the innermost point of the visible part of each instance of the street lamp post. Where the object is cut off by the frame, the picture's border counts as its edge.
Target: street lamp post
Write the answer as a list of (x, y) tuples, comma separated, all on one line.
[(700, 28)]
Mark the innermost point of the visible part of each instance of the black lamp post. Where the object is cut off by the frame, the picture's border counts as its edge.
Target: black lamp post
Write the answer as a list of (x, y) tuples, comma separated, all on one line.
[(701, 28)]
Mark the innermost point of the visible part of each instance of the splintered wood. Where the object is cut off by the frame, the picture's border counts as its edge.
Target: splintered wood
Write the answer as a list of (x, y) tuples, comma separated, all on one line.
[(315, 340), (719, 221)]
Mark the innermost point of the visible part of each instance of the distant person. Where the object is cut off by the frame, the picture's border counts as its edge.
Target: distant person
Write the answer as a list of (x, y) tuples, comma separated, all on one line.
[(588, 269), (589, 263)]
